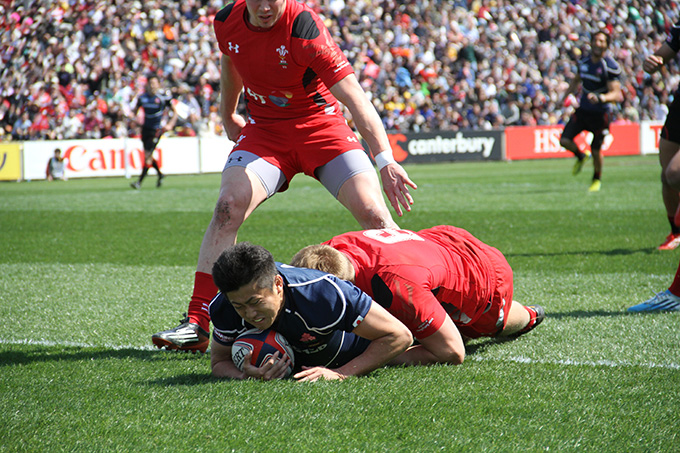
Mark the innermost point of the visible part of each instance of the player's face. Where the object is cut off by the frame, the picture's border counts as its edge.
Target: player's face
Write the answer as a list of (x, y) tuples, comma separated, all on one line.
[(153, 85), (599, 44), (265, 13), (258, 306)]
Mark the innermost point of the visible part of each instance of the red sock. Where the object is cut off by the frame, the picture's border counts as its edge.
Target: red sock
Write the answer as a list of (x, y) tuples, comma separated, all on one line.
[(675, 286), (204, 291)]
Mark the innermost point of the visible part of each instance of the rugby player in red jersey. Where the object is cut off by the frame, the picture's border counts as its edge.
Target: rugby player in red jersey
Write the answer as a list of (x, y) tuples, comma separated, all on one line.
[(669, 157), (282, 58), (669, 140), (442, 283)]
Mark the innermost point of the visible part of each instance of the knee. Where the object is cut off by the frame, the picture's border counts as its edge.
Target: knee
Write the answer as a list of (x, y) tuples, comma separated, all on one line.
[(228, 212), (671, 177), (566, 142), (374, 217)]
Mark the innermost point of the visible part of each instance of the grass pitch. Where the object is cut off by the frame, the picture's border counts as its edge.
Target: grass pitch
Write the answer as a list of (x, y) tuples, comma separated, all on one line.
[(89, 269)]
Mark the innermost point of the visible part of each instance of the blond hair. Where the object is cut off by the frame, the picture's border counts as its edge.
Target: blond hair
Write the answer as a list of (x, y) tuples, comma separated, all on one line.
[(326, 259)]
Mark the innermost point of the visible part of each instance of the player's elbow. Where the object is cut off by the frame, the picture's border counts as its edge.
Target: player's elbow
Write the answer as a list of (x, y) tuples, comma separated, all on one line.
[(451, 355), (403, 338)]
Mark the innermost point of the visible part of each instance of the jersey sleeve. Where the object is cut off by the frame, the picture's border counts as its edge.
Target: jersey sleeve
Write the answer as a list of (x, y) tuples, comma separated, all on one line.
[(413, 304), (345, 305), (227, 324), (613, 70), (219, 26), (316, 49)]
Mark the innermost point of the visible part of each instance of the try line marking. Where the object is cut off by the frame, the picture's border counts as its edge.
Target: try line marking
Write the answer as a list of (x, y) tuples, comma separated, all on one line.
[(528, 360)]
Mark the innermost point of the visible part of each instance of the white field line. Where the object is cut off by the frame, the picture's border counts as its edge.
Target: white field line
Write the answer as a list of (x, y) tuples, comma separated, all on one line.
[(528, 360), (73, 344), (606, 363)]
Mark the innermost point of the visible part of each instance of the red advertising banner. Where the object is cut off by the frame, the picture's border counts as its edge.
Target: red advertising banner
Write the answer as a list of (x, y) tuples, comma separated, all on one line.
[(542, 142)]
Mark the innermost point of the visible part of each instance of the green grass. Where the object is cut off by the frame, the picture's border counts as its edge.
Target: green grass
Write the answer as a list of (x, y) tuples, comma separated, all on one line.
[(89, 269)]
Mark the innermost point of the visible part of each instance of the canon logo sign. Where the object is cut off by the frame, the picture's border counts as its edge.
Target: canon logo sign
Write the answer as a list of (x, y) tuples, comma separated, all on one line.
[(81, 158)]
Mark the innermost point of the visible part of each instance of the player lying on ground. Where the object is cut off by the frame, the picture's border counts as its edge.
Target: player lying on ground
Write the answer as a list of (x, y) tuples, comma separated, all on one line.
[(442, 283), (335, 329)]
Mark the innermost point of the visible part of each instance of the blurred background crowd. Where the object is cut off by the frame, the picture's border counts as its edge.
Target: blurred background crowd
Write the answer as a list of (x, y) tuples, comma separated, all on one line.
[(71, 68)]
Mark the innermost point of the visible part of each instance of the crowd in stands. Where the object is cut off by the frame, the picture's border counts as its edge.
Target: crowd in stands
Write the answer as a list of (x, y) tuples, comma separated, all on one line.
[(70, 68)]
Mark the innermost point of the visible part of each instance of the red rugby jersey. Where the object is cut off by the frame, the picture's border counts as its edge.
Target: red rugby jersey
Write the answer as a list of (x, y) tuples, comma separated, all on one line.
[(420, 277), (286, 69)]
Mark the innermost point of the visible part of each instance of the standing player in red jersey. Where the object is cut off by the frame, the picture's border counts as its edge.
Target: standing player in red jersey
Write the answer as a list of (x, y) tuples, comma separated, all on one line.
[(669, 156), (442, 283), (281, 56)]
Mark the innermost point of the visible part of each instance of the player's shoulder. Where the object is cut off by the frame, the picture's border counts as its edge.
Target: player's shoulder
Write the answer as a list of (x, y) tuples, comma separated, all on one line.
[(584, 61), (223, 14), (612, 65), (305, 22), (298, 275), (311, 286)]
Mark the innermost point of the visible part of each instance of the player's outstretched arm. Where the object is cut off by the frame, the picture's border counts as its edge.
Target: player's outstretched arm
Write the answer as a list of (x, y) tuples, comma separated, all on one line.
[(394, 178), (389, 338)]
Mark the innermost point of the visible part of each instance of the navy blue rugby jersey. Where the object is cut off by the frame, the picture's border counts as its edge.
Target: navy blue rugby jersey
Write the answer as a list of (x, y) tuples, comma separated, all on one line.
[(320, 311), (673, 41), (153, 106), (594, 77)]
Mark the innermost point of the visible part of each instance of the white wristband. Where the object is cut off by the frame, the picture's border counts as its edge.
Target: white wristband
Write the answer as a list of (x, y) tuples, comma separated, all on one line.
[(384, 158)]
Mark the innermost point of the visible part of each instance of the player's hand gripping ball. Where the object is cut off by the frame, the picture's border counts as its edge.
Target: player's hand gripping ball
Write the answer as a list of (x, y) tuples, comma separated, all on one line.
[(263, 344)]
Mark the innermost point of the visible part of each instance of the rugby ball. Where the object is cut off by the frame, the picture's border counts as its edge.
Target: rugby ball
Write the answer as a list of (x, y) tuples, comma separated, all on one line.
[(263, 344)]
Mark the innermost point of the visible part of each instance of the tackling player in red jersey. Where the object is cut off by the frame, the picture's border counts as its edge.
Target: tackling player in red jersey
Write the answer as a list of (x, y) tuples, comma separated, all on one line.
[(442, 283), (282, 58)]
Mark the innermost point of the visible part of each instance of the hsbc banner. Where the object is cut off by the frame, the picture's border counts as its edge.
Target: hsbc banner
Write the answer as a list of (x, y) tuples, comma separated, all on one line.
[(542, 142), (446, 146), (125, 157)]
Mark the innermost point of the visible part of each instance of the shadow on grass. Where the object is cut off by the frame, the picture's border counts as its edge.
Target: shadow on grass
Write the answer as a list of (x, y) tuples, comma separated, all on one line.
[(587, 314), (615, 252), (483, 344), (34, 354)]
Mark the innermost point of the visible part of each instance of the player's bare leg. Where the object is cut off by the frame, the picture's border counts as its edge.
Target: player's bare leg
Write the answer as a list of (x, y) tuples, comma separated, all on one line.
[(240, 193), (362, 196), (669, 158), (522, 319)]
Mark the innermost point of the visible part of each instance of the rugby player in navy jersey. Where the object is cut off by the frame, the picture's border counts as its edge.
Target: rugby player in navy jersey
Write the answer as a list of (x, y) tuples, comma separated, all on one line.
[(598, 76), (154, 102), (669, 141), (334, 328)]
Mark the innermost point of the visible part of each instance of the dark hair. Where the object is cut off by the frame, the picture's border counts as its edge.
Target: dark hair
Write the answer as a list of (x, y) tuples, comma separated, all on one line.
[(604, 32), (242, 264)]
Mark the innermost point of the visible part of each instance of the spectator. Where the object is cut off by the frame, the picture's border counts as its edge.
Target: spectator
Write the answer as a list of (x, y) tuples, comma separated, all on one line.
[(99, 51)]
